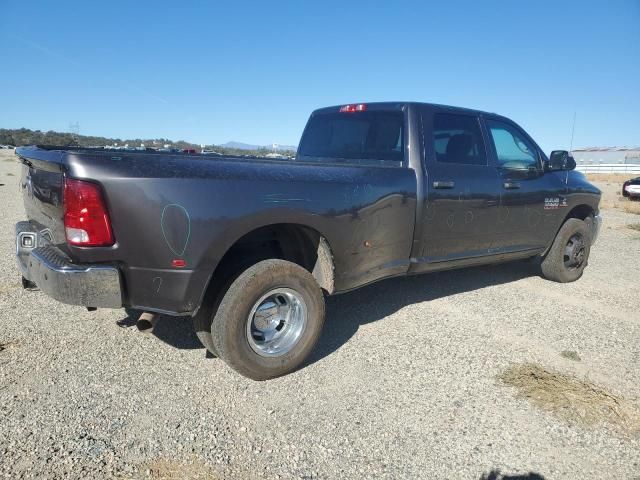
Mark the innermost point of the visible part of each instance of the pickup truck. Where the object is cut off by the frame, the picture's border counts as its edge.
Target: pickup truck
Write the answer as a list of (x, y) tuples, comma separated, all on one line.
[(250, 247), (631, 188)]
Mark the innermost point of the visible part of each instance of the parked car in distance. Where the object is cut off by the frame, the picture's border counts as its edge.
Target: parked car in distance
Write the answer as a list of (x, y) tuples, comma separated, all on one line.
[(7, 147), (249, 247), (631, 188)]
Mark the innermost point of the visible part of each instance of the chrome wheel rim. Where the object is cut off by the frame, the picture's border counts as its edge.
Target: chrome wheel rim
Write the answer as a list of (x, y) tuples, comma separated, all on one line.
[(276, 322), (574, 252)]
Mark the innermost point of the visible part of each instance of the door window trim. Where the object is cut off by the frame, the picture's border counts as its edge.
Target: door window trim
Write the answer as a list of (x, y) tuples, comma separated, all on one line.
[(427, 114), (494, 152), (481, 148)]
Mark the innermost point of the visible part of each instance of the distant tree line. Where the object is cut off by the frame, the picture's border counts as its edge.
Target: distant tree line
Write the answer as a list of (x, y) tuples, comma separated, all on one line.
[(24, 136)]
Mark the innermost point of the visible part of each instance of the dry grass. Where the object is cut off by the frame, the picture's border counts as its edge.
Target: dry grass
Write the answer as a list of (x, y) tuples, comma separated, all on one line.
[(617, 178), (611, 186), (169, 469), (634, 226), (620, 203), (571, 355), (164, 469), (631, 207), (575, 400)]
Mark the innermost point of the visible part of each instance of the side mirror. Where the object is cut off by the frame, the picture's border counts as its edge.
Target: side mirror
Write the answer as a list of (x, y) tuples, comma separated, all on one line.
[(560, 160)]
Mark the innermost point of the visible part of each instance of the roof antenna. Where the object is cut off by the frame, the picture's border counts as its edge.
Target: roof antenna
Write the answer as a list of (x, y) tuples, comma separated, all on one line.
[(573, 129)]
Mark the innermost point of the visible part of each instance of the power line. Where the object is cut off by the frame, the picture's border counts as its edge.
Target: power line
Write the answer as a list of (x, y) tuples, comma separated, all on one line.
[(573, 128)]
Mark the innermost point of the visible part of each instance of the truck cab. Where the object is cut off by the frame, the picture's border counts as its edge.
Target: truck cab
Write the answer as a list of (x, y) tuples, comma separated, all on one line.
[(485, 190)]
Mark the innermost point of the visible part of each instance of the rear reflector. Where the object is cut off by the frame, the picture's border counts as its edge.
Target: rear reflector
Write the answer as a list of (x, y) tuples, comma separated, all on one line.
[(178, 263), (359, 107), (86, 221)]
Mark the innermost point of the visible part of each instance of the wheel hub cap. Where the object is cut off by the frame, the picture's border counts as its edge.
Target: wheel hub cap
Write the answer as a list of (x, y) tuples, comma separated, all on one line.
[(575, 251), (276, 322), (267, 317)]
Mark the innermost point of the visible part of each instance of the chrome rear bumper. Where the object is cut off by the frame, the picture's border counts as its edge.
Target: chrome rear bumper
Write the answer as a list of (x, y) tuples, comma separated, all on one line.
[(53, 272)]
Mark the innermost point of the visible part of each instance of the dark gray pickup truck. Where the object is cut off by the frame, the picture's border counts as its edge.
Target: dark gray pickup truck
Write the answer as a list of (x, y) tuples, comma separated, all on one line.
[(249, 247)]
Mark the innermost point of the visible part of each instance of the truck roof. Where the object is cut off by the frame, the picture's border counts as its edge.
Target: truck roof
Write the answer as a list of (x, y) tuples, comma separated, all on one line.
[(399, 105)]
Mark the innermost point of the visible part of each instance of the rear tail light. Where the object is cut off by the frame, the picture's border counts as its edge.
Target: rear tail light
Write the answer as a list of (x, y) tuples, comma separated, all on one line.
[(359, 107), (86, 221)]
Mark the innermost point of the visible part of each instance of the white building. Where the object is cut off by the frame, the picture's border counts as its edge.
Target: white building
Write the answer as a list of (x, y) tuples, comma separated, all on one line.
[(613, 155)]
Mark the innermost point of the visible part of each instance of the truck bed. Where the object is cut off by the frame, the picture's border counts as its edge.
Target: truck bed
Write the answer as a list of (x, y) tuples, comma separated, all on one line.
[(166, 206)]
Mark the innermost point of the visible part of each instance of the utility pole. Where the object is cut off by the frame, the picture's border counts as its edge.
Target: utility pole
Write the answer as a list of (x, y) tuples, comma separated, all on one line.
[(74, 130)]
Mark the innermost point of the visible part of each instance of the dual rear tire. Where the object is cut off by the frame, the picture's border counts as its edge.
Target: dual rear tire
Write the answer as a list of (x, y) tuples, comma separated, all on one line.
[(267, 322)]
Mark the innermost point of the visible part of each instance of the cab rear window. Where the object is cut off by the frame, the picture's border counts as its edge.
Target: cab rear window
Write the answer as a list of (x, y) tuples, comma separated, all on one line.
[(340, 136)]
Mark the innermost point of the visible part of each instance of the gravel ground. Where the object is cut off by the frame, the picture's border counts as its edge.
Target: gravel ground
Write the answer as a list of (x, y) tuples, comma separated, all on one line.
[(403, 384)]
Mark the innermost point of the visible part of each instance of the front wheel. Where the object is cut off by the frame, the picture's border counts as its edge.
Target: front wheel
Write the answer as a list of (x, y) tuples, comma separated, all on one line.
[(569, 254), (269, 319)]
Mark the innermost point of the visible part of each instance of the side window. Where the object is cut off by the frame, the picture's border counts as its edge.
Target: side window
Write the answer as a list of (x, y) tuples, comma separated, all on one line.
[(458, 139), (512, 148)]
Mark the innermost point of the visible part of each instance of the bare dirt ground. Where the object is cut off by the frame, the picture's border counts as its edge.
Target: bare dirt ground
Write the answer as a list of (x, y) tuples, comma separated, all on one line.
[(455, 375)]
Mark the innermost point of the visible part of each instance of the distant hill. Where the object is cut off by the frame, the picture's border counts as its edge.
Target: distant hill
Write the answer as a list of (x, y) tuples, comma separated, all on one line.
[(25, 136), (240, 146), (247, 146)]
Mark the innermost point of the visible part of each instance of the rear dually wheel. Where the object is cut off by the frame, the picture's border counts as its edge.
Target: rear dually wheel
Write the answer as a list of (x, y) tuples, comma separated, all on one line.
[(269, 319)]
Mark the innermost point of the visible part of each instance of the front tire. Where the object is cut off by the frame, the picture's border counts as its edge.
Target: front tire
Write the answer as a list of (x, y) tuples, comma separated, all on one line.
[(569, 253), (269, 319)]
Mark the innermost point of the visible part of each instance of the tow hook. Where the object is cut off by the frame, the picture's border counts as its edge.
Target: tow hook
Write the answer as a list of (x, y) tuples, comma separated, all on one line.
[(147, 322)]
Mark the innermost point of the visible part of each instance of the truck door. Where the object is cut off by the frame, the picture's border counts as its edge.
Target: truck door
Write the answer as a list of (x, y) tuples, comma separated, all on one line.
[(530, 199), (462, 189)]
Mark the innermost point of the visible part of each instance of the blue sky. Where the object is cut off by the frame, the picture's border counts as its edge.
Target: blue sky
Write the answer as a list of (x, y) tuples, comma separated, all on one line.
[(210, 72)]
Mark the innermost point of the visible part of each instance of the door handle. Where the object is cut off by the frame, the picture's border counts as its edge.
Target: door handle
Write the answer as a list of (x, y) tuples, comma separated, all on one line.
[(443, 184), (511, 185)]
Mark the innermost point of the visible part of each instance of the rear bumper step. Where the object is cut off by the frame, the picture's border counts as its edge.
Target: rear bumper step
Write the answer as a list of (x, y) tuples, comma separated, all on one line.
[(54, 273)]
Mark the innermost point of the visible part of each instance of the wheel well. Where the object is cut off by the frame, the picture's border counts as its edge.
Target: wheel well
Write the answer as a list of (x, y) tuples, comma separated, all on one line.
[(580, 212), (295, 243)]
